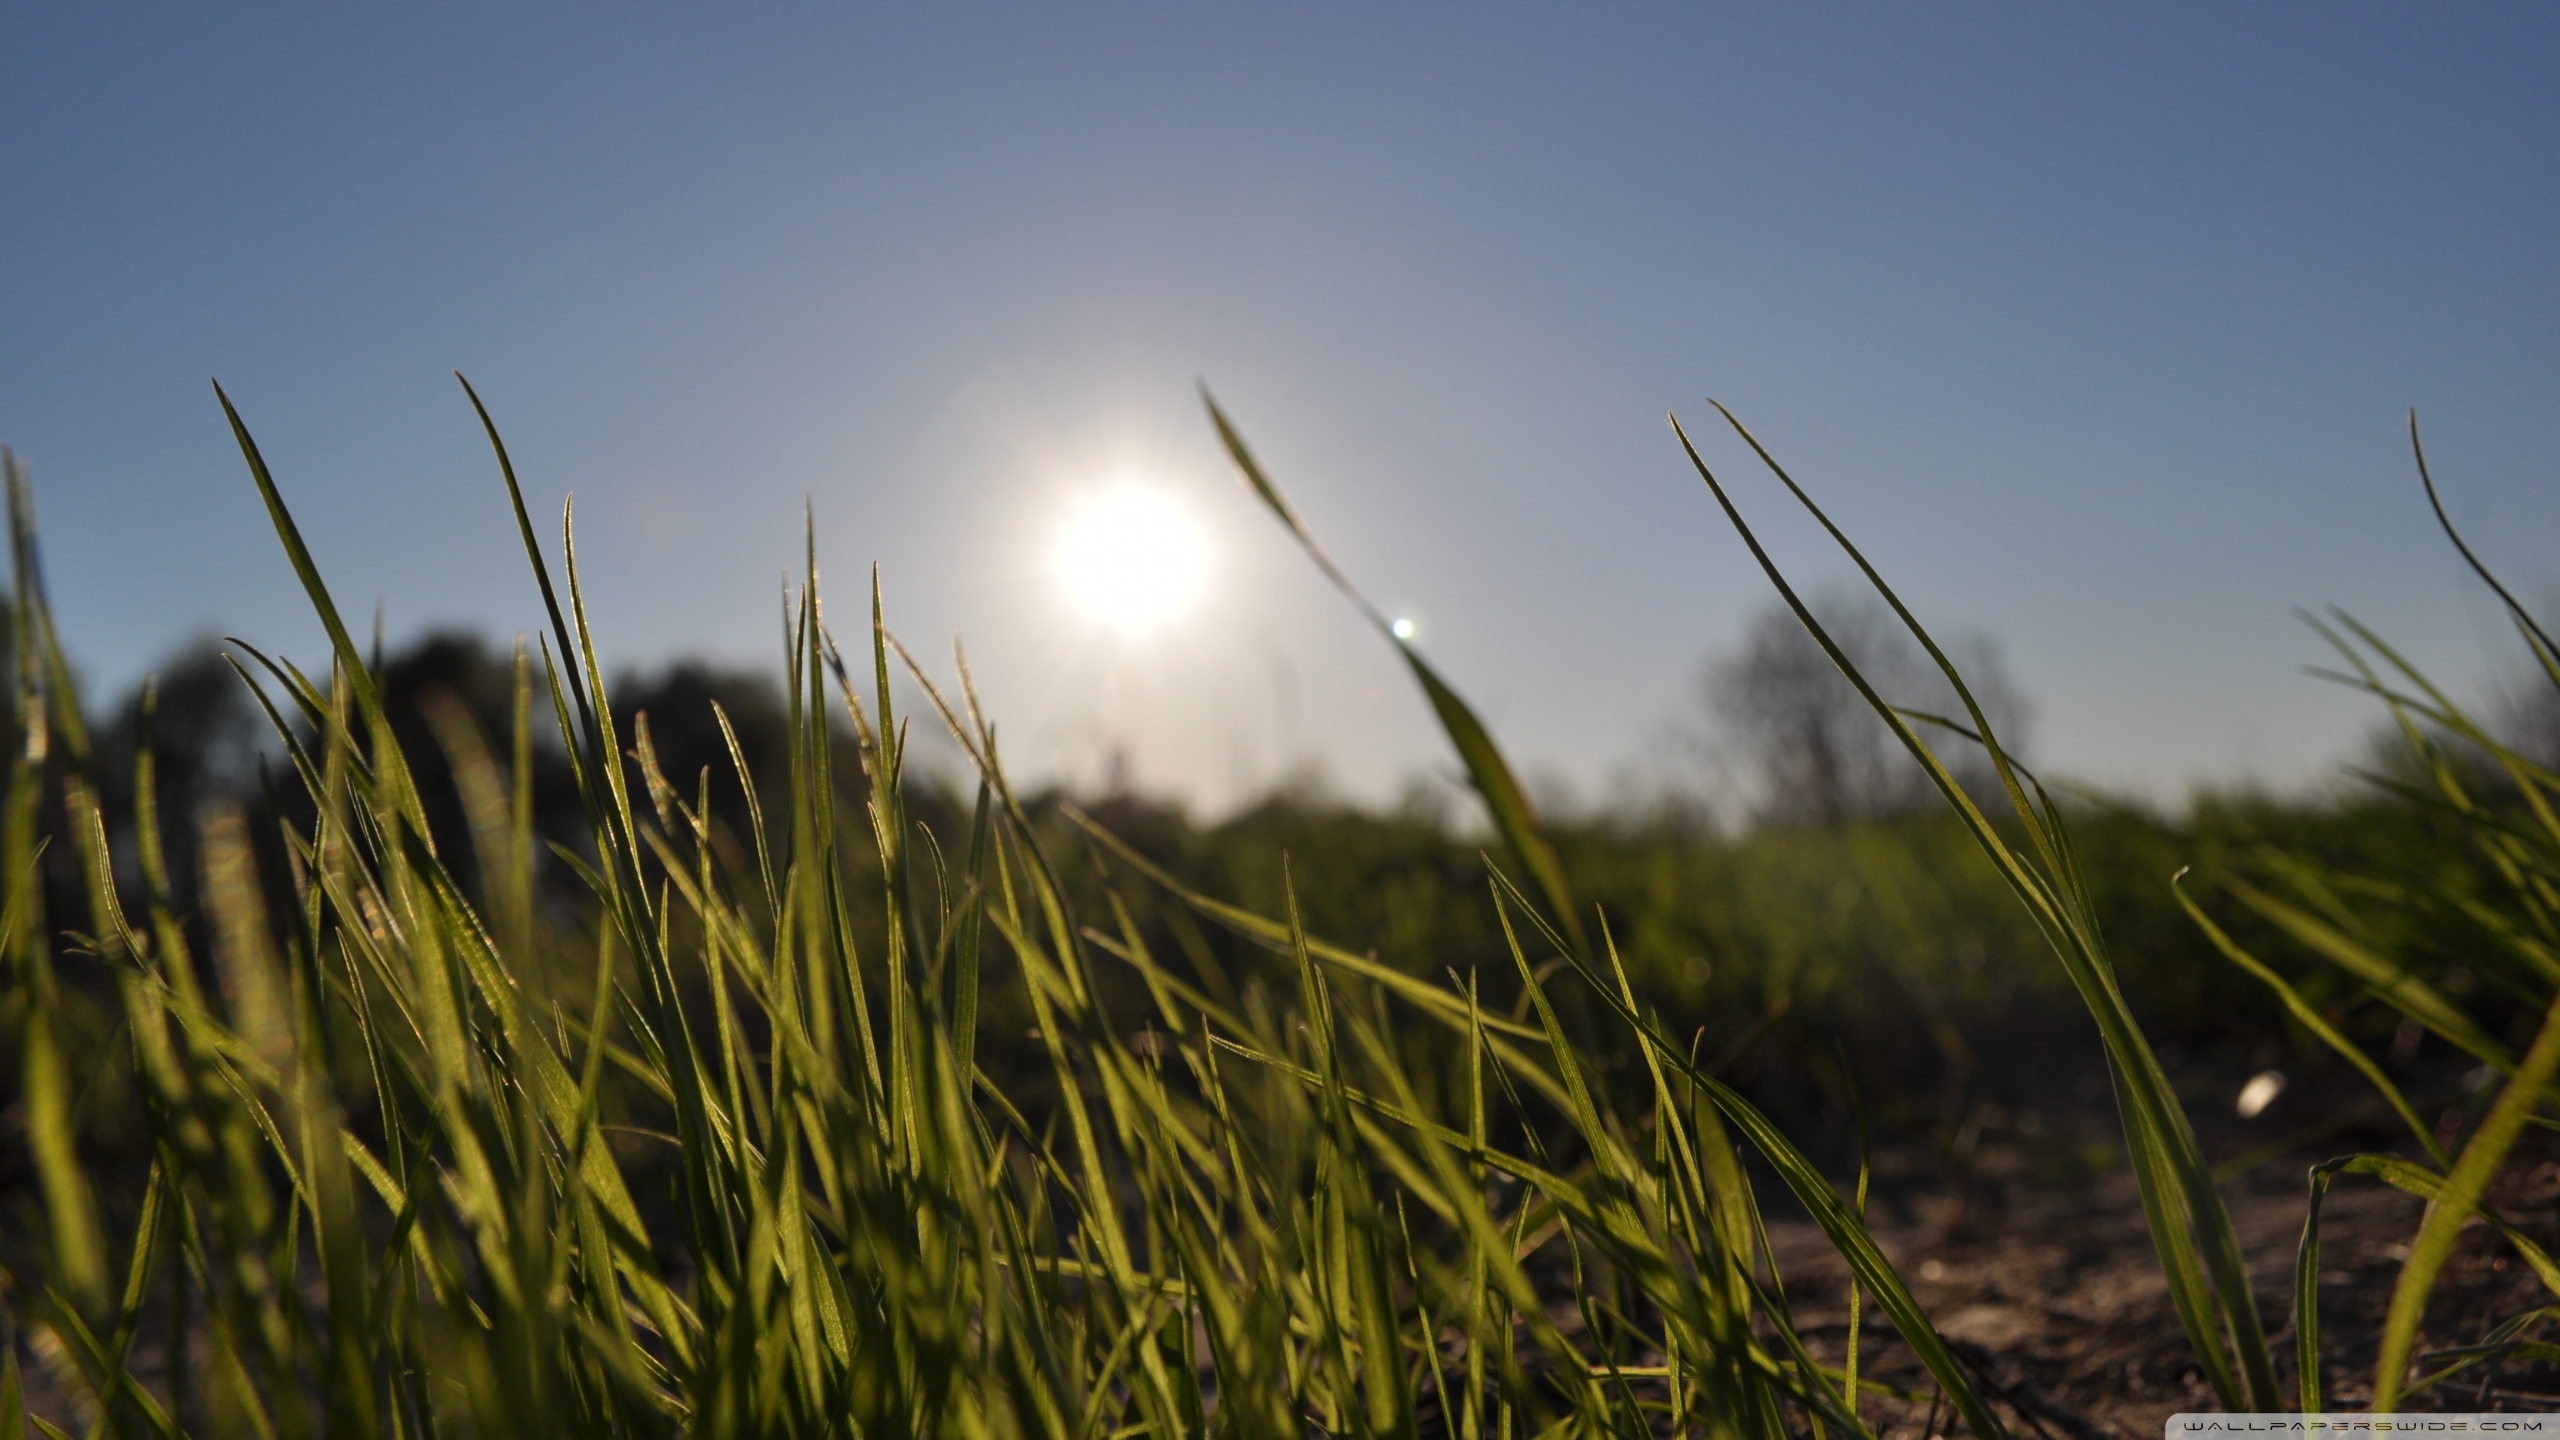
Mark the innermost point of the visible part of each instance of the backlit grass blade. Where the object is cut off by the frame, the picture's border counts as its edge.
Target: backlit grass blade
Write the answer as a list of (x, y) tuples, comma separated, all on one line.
[(2544, 649), (2194, 1235), (2473, 1169), (2309, 1383), (2312, 1020), (2400, 1174), (1503, 798), (352, 663), (1274, 934), (1840, 1223), (2403, 991), (78, 1241)]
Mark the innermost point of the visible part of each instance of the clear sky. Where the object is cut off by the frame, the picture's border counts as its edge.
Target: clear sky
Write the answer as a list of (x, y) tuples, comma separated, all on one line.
[(2098, 325)]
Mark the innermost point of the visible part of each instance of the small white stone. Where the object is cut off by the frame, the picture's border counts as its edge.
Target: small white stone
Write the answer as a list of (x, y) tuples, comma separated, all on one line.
[(2259, 1093)]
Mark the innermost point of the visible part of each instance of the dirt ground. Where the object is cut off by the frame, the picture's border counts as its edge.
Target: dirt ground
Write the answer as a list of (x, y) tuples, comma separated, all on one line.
[(2048, 1282)]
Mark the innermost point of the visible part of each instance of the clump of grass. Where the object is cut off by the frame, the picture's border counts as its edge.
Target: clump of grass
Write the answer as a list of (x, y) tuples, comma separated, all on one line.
[(2506, 808), (2476, 967), (2191, 1231), (718, 1155), (719, 1159)]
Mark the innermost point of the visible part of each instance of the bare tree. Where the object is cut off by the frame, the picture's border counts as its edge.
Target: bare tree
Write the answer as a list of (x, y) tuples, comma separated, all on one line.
[(1810, 748)]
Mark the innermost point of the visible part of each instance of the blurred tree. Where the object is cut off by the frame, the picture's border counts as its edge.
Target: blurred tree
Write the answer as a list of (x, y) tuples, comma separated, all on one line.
[(1811, 751), (685, 732), (208, 741)]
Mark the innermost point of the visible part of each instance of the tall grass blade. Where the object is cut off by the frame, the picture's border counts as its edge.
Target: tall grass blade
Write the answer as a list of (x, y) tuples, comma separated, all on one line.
[(1491, 775), (2518, 1102), (2199, 1250)]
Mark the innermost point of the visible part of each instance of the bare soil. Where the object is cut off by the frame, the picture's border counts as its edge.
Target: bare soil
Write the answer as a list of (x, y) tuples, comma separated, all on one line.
[(2048, 1282)]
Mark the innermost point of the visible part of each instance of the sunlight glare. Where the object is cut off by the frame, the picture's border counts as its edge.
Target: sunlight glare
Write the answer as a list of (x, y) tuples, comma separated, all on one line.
[(1131, 558)]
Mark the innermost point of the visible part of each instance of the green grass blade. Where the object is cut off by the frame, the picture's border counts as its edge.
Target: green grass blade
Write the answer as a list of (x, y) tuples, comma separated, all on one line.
[(2311, 1019), (1490, 773), (2193, 1230), (2464, 1185)]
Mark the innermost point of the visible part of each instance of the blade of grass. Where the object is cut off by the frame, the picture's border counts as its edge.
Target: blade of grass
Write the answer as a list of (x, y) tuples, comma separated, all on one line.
[(1491, 775), (2197, 1244), (2464, 1185)]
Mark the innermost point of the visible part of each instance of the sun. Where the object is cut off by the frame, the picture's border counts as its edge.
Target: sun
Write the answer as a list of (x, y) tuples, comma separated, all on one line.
[(1131, 558)]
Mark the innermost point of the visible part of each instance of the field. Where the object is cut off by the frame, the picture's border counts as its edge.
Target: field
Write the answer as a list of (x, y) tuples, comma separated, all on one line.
[(517, 1053)]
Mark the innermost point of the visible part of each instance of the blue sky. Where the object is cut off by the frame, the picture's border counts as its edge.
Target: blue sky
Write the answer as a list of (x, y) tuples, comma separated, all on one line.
[(2098, 326)]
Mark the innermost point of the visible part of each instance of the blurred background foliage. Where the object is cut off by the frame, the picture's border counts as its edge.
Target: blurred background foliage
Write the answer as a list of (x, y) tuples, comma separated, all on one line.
[(1852, 931)]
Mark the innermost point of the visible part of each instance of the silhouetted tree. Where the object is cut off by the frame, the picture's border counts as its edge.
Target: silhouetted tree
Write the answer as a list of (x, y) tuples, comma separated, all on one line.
[(1813, 751), (685, 732), (208, 741)]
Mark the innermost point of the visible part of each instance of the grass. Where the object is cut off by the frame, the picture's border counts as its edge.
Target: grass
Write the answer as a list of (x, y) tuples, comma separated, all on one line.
[(725, 1149), (2501, 803)]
